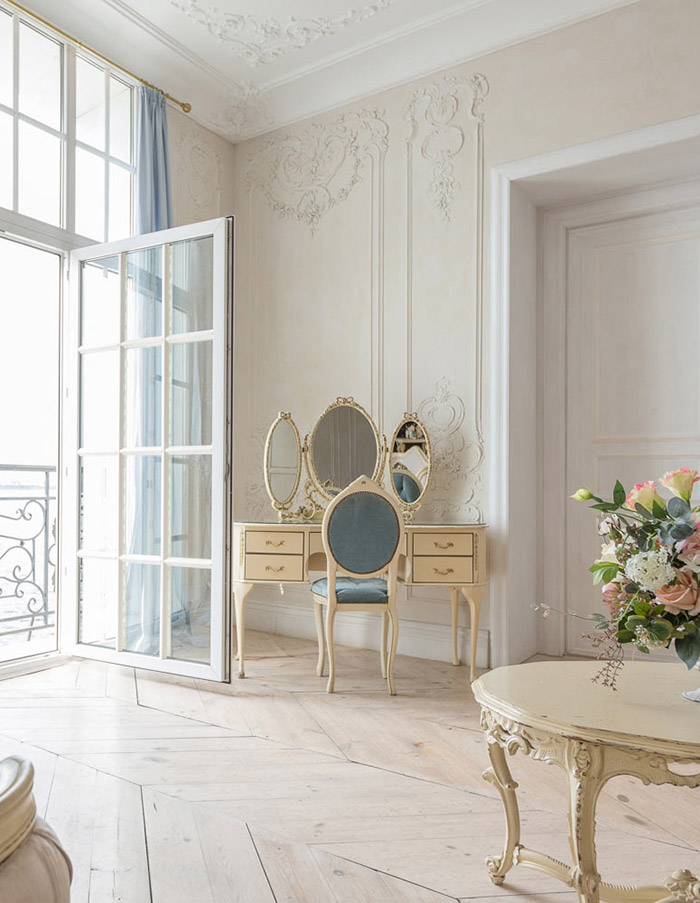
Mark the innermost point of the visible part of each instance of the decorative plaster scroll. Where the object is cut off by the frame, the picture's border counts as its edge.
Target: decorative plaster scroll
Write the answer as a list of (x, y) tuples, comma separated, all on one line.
[(304, 174), (455, 462), (257, 502), (259, 41), (196, 175), (433, 111)]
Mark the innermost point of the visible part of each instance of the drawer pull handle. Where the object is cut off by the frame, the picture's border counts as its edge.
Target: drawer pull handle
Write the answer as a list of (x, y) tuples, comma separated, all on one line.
[(277, 570), (275, 545), (445, 572), (443, 545)]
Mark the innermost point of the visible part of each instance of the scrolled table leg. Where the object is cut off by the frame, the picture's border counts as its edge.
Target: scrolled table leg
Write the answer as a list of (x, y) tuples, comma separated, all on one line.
[(585, 762), (499, 775)]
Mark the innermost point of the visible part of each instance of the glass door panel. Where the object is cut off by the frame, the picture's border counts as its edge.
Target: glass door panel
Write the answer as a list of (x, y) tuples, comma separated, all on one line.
[(153, 451)]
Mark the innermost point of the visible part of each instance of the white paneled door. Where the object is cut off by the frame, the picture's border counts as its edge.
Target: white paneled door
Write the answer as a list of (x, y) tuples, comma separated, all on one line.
[(147, 450), (632, 374)]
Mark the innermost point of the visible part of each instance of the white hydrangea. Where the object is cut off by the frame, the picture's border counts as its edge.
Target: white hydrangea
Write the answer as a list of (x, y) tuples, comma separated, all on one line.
[(650, 570)]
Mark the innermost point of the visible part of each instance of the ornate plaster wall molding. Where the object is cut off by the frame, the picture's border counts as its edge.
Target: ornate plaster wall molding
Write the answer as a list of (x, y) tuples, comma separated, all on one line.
[(303, 174), (257, 503), (258, 41), (196, 175), (454, 486), (244, 110), (433, 114)]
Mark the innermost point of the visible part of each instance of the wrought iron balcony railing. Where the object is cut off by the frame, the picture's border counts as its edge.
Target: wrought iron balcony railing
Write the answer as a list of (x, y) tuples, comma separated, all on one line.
[(27, 555)]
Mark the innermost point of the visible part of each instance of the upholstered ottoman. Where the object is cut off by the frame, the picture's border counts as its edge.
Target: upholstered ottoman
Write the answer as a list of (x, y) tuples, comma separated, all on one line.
[(33, 866)]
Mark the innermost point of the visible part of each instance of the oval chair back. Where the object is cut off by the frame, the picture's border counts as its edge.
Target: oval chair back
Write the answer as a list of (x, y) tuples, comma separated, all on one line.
[(363, 536)]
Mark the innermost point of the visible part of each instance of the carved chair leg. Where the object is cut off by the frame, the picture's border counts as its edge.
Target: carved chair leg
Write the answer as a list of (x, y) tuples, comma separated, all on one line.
[(330, 617), (384, 637), (392, 650), (318, 613), (499, 775), (584, 766)]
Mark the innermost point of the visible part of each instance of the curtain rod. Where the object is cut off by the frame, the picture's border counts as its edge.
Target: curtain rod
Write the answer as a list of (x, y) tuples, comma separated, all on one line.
[(185, 107)]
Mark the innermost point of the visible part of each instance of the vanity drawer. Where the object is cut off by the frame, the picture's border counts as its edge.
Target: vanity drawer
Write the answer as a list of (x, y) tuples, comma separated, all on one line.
[(443, 543), (275, 568), (274, 542), (442, 569)]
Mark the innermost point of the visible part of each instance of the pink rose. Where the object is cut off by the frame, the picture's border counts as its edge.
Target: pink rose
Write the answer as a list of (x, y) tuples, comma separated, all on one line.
[(689, 550), (681, 595), (614, 597)]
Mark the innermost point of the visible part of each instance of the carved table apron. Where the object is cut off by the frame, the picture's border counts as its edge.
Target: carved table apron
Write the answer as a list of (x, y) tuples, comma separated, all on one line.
[(552, 711)]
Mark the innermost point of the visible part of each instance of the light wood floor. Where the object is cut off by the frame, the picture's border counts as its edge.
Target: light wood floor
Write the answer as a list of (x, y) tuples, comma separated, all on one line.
[(270, 791)]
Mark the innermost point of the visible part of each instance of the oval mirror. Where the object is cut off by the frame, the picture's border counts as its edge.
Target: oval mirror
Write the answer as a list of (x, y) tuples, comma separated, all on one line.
[(410, 461), (282, 461), (344, 445)]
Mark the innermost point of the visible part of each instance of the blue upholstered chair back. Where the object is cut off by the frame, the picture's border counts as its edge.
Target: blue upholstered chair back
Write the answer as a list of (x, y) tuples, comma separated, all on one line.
[(363, 532), (406, 487)]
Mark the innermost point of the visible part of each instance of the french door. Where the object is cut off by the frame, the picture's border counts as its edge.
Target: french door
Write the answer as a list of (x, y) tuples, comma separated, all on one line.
[(147, 450)]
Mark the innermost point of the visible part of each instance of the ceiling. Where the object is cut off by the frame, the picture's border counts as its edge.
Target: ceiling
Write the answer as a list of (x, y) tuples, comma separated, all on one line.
[(248, 66)]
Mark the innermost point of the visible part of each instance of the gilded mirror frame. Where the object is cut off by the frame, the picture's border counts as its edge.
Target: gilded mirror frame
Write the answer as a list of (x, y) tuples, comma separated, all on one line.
[(409, 508), (282, 507), (309, 446)]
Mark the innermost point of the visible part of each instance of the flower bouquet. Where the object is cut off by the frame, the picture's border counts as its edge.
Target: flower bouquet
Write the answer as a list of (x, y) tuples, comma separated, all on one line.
[(649, 567)]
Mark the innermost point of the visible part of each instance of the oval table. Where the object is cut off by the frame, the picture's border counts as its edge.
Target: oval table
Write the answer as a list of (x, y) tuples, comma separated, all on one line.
[(554, 712)]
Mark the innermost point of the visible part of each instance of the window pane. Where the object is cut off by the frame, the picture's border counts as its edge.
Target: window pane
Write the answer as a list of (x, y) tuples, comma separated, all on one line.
[(142, 487), (190, 393), (119, 202), (99, 492), (190, 613), (39, 76), (39, 174), (99, 302), (144, 382), (5, 160), (89, 194), (99, 588), (190, 506), (99, 401), (89, 104), (119, 120), (142, 586), (192, 276), (5, 59), (144, 297)]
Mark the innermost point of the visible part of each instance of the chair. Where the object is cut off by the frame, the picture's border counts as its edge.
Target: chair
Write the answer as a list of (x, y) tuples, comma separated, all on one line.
[(362, 537)]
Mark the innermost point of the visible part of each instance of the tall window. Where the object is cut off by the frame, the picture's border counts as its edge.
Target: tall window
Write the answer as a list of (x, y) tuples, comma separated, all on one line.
[(66, 135)]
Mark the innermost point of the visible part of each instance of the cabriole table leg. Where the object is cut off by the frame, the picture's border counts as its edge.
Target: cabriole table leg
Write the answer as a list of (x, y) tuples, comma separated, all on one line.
[(499, 775), (240, 594)]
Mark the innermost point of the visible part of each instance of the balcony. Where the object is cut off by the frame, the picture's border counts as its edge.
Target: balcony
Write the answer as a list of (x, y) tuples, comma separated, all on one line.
[(27, 560)]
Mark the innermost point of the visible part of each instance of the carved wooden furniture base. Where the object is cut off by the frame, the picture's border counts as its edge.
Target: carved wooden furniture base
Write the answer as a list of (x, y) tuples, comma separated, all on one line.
[(588, 766)]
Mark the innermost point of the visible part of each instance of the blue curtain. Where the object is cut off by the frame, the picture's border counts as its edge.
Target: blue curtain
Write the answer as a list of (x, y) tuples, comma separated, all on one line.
[(152, 194)]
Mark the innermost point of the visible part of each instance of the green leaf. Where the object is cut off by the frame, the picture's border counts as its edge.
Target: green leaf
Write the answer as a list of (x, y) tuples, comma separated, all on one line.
[(634, 622), (625, 636), (640, 509), (607, 507), (688, 649), (643, 609), (619, 494), (661, 629), (658, 510)]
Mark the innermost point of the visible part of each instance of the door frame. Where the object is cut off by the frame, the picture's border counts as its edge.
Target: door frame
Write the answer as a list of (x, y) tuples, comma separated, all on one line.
[(222, 432), (520, 574)]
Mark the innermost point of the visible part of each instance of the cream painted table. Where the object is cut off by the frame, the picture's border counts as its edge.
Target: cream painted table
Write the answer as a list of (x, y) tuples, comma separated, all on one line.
[(552, 711)]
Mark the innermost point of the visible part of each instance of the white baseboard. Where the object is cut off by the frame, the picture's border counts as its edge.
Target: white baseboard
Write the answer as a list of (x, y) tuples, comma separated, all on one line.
[(416, 638)]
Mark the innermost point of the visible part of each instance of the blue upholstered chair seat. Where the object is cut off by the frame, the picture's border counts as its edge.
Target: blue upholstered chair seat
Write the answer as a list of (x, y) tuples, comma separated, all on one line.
[(350, 589)]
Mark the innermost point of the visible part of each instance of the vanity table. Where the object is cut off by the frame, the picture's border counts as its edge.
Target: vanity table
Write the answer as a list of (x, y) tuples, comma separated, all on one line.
[(343, 445), (451, 555)]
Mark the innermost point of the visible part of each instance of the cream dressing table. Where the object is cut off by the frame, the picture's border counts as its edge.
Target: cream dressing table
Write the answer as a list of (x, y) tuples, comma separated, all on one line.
[(451, 555), (343, 445)]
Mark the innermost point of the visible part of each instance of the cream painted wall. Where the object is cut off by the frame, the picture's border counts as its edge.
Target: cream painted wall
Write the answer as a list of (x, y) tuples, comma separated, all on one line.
[(360, 245), (202, 170)]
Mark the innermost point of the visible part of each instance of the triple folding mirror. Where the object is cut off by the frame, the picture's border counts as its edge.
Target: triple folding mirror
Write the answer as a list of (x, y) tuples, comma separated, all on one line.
[(343, 445)]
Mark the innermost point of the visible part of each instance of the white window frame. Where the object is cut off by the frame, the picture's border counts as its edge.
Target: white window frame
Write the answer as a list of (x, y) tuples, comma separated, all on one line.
[(62, 236), (221, 451)]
